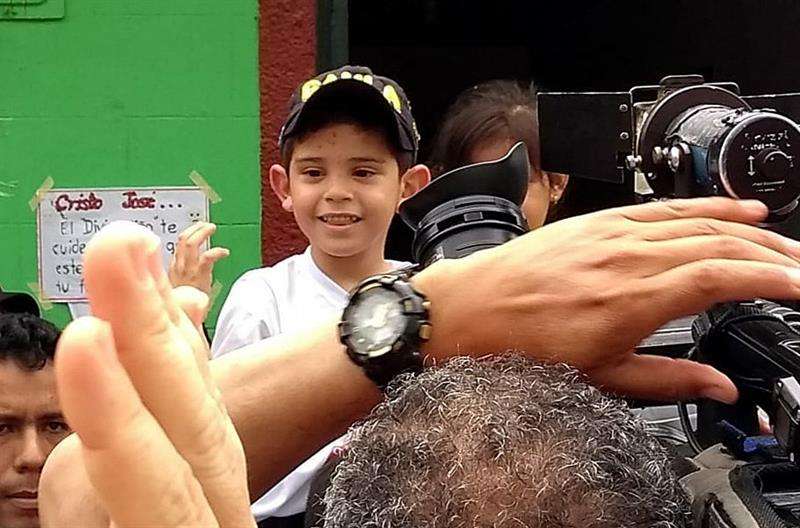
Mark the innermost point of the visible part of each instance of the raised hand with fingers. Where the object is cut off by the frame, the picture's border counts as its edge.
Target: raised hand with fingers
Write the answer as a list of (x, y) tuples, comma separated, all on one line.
[(190, 265), (587, 290), (156, 440)]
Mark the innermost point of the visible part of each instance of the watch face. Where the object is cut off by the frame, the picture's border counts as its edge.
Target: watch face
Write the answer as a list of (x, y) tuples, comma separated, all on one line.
[(377, 321)]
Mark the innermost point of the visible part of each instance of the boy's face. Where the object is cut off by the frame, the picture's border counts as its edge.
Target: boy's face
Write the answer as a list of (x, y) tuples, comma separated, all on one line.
[(344, 188)]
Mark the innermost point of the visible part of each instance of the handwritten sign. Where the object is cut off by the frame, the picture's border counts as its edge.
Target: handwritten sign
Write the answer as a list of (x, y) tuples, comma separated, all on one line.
[(68, 218)]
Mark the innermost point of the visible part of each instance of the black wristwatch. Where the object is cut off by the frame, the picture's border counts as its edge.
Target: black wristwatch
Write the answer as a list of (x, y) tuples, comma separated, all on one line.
[(384, 325)]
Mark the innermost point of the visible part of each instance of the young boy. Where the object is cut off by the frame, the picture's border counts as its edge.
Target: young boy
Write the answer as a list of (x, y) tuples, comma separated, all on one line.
[(348, 150)]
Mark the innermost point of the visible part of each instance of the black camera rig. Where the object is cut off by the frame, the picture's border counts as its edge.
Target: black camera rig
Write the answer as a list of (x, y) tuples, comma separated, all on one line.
[(681, 138)]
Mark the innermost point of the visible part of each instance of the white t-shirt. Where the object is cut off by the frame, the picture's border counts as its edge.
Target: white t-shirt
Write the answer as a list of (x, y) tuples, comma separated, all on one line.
[(266, 302)]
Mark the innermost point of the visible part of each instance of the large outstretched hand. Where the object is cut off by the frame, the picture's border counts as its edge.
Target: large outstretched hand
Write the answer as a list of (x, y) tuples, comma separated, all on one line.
[(587, 290), (134, 383)]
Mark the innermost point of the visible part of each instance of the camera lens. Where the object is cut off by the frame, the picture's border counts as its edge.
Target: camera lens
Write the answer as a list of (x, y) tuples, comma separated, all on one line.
[(741, 153), (469, 208), (465, 225), (759, 159)]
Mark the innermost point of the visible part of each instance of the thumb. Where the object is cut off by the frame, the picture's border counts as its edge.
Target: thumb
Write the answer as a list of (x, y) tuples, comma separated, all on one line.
[(193, 302), (663, 378), (211, 257)]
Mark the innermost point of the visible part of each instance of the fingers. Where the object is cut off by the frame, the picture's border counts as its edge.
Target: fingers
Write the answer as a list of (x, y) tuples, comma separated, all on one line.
[(175, 270), (211, 257), (127, 289), (656, 257), (184, 254), (193, 228), (186, 307), (195, 304), (116, 268), (690, 227), (165, 358), (661, 378), (746, 211), (66, 494), (128, 458), (694, 287), (190, 240), (190, 267)]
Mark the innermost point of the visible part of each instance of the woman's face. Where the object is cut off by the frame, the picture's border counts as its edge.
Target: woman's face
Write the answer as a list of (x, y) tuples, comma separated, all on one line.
[(537, 201)]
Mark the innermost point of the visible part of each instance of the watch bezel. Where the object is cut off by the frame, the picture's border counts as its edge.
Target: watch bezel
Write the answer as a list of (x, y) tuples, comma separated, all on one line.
[(403, 354)]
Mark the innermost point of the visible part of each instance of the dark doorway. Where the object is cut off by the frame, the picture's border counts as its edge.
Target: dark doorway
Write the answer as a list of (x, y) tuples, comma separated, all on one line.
[(436, 48)]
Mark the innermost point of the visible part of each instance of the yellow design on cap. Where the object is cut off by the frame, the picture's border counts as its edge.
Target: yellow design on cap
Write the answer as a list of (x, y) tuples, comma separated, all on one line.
[(391, 95), (308, 89), (311, 86)]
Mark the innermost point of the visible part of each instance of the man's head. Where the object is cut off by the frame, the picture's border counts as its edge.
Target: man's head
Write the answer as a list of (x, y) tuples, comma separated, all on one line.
[(31, 423), (348, 150), (502, 443), (15, 302)]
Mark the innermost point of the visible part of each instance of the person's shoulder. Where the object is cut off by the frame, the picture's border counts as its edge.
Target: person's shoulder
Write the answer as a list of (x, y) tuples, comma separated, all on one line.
[(253, 285), (267, 274), (257, 278), (275, 282), (252, 300), (290, 262), (400, 264), (289, 269)]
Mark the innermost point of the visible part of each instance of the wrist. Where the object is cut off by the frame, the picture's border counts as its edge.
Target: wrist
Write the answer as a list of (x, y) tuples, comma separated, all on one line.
[(453, 311)]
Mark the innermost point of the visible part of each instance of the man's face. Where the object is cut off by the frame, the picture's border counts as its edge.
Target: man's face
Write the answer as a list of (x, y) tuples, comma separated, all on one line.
[(345, 187), (31, 424)]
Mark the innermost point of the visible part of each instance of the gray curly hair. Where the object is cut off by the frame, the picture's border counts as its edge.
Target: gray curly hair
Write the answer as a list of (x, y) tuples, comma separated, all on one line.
[(502, 442)]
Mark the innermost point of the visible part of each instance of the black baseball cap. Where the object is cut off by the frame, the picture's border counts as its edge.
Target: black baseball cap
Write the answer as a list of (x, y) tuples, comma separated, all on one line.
[(14, 302), (353, 85)]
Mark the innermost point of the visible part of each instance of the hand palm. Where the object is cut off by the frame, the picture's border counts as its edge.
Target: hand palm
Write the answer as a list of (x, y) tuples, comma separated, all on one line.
[(134, 383)]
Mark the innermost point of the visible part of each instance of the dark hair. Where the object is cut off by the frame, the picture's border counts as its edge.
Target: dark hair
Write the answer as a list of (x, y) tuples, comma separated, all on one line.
[(496, 109), (501, 443), (27, 339), (348, 112)]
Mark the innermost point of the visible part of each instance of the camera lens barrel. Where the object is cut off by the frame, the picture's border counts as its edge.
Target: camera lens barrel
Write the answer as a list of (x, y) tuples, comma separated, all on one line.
[(742, 153), (462, 226)]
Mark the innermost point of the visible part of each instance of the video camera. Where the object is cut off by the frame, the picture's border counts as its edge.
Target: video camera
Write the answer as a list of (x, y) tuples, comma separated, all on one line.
[(687, 138), (681, 138)]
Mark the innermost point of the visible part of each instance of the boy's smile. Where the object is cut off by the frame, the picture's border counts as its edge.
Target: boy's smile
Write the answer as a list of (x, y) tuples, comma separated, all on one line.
[(339, 219)]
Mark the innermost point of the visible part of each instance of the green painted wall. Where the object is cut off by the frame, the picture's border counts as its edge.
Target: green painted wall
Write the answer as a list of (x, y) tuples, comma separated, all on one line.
[(129, 93)]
